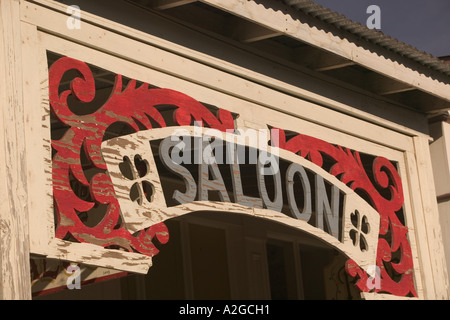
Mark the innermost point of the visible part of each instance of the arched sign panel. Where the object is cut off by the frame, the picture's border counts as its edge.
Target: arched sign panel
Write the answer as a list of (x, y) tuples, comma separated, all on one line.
[(339, 216), (184, 156)]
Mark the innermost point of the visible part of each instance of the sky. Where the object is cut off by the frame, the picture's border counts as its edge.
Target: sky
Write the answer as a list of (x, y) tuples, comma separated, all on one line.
[(424, 24)]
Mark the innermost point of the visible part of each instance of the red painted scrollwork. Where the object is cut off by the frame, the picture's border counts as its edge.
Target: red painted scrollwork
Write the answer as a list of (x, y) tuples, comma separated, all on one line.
[(393, 240), (137, 107), (134, 106)]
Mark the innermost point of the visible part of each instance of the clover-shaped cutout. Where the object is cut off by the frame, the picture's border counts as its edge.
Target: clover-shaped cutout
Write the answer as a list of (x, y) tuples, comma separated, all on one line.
[(361, 227), (136, 170)]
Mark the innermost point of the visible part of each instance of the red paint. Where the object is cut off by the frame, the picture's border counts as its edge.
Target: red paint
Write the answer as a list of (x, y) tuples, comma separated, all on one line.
[(140, 104), (87, 131), (349, 169)]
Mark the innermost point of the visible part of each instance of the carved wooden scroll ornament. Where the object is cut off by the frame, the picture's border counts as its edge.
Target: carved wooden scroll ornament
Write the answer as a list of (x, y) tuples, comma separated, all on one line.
[(137, 107), (393, 238)]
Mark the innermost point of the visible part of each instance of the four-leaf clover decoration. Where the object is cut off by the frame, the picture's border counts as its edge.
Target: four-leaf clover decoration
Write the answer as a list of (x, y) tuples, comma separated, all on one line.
[(136, 170), (361, 228)]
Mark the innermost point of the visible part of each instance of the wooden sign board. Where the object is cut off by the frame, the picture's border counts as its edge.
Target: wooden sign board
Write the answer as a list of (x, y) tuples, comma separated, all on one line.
[(353, 230), (124, 180)]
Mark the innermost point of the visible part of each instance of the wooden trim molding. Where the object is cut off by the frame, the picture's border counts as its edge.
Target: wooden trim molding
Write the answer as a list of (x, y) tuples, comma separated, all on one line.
[(134, 226), (203, 89), (14, 210), (290, 22), (256, 70)]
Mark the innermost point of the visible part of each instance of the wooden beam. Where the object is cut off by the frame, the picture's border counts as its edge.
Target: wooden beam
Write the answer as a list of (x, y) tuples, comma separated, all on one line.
[(394, 88), (431, 242), (256, 33), (419, 99), (247, 31), (385, 86), (331, 65), (275, 49), (168, 4), (320, 60), (317, 33), (14, 234), (264, 69)]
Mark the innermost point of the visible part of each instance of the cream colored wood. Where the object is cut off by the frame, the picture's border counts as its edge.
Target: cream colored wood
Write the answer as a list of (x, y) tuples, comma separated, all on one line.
[(41, 215), (55, 23), (74, 52), (220, 83), (380, 296), (14, 160), (320, 60), (444, 209), (93, 255), (249, 32), (35, 101), (205, 91), (286, 20), (431, 219), (385, 86), (440, 152), (413, 218)]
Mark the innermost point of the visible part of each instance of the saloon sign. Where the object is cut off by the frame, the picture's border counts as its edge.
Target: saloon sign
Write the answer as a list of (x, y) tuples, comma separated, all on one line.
[(290, 189), (196, 159)]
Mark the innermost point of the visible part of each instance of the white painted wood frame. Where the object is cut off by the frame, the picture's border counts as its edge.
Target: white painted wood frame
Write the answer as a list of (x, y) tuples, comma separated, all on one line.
[(119, 52), (14, 208), (285, 19)]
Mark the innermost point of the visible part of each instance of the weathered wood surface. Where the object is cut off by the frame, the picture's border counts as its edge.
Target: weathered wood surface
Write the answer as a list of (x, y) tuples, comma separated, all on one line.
[(81, 135), (260, 73), (37, 141), (431, 227), (246, 98), (141, 215), (286, 20), (14, 237)]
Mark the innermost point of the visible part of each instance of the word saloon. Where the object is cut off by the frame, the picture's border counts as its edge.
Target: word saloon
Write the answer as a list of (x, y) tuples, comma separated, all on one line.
[(263, 181), (154, 180)]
